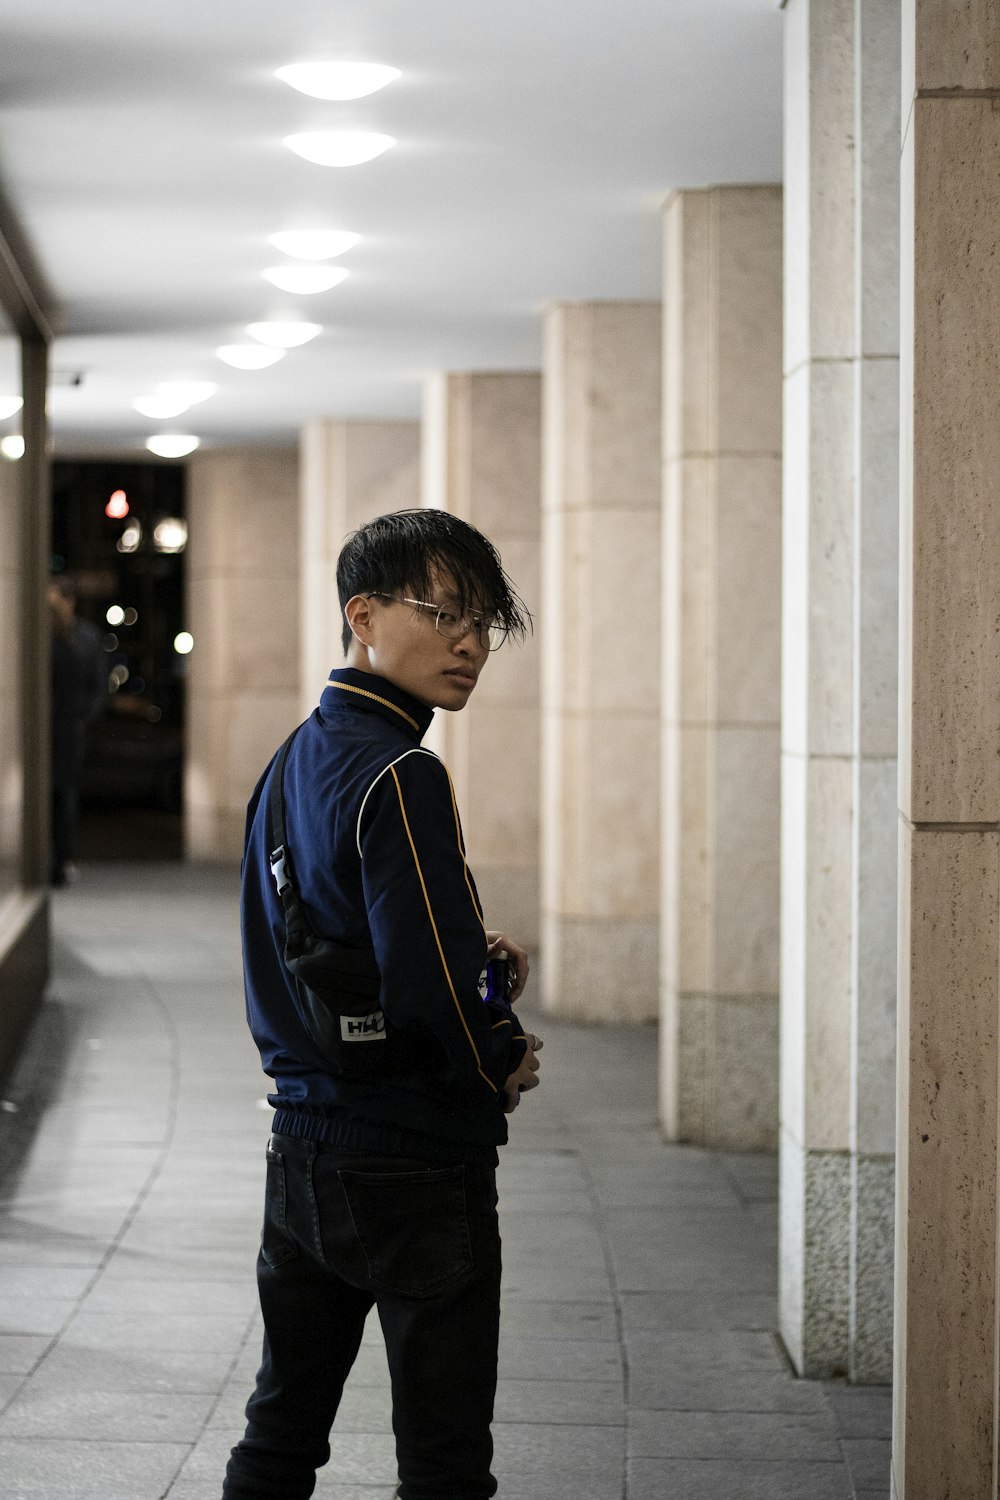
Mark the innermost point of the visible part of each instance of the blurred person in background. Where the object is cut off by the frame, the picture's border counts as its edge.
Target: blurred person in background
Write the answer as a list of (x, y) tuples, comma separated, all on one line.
[(79, 687)]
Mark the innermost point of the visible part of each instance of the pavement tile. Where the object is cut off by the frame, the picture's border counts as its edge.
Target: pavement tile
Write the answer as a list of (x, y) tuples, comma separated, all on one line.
[(861, 1411), (733, 1435), (869, 1460), (557, 1359), (45, 1315), (148, 1371), (699, 1351), (45, 1281), (119, 1416), (597, 1402), (552, 1283), (708, 1310), (713, 1479), (732, 1390), (558, 1320), (224, 1299), (20, 1352), (558, 1448), (43, 1468), (130, 1330)]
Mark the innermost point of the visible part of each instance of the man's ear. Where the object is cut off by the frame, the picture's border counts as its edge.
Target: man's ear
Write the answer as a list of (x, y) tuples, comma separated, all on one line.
[(358, 612)]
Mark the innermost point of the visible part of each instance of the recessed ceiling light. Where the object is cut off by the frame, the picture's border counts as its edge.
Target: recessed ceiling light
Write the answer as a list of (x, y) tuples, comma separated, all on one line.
[(249, 356), (12, 446), (10, 404), (339, 148), (159, 407), (314, 244), (172, 444), (283, 335), (191, 391), (305, 279), (174, 396), (337, 80)]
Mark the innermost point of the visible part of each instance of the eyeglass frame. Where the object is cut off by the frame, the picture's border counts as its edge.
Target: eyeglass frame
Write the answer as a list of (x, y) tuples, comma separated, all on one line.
[(444, 609)]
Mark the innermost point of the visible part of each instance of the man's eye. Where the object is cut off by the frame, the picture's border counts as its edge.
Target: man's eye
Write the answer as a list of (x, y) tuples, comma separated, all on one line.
[(446, 617)]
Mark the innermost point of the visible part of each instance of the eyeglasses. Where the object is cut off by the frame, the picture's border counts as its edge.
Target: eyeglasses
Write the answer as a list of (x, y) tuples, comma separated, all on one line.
[(487, 629)]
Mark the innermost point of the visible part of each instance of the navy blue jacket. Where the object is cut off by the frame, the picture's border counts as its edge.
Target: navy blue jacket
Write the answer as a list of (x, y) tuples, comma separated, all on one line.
[(376, 847)]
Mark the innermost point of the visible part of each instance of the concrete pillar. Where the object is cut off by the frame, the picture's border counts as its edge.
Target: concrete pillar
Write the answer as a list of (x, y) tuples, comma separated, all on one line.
[(838, 694), (482, 462), (946, 1418), (351, 471), (601, 660), (11, 616), (722, 666), (243, 598)]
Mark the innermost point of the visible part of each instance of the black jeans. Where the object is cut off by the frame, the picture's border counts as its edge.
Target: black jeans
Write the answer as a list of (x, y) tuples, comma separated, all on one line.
[(343, 1232)]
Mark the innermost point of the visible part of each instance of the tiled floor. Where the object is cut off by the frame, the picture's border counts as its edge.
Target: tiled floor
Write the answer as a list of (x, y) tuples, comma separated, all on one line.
[(638, 1355)]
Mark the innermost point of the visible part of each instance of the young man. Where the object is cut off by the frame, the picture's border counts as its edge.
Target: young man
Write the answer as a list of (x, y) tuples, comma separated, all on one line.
[(390, 1095)]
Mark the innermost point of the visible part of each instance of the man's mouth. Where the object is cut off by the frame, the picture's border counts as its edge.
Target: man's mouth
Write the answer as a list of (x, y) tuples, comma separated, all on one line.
[(463, 675)]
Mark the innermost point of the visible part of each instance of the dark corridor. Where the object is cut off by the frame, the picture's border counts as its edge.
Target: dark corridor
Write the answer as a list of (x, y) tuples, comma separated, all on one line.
[(118, 535)]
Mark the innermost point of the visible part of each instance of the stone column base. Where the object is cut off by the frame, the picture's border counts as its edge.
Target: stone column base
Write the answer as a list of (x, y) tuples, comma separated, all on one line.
[(836, 1262), (600, 968), (719, 1072)]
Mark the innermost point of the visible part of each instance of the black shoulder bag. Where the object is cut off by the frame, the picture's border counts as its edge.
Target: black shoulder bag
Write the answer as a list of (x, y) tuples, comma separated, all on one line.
[(337, 986)]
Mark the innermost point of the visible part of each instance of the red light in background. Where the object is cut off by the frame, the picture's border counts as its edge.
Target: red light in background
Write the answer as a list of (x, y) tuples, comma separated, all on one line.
[(117, 507)]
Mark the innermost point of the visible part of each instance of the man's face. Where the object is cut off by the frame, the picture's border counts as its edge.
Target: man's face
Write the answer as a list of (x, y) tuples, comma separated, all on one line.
[(404, 645)]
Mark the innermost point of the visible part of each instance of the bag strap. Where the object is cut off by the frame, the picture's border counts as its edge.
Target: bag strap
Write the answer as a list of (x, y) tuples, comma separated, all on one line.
[(280, 856)]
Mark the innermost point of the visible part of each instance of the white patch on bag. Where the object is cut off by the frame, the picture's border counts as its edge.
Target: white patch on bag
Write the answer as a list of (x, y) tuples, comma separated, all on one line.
[(370, 1028)]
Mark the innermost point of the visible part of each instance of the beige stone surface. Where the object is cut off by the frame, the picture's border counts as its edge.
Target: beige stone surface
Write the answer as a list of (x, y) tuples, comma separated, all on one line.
[(829, 576), (744, 818), (509, 894), (877, 93), (482, 461), (793, 947), (819, 180), (747, 587), (607, 394), (499, 769), (953, 681), (243, 591), (747, 331), (957, 44), (600, 645), (350, 472), (877, 542), (721, 550), (726, 1072), (689, 878), (242, 506), (946, 1282), (687, 548), (599, 970), (874, 1019), (816, 970), (828, 975), (622, 608), (688, 356)]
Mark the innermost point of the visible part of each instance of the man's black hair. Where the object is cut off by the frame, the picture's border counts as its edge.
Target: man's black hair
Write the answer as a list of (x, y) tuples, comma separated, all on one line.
[(399, 554)]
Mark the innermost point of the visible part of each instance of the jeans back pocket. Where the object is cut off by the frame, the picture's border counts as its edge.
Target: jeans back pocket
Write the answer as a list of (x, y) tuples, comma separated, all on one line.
[(413, 1228)]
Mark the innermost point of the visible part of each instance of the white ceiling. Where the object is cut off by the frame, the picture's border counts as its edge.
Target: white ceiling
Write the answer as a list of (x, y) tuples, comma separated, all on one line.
[(141, 146)]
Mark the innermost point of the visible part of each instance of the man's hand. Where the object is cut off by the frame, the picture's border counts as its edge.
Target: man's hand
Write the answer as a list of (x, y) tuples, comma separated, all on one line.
[(526, 1076), (518, 961)]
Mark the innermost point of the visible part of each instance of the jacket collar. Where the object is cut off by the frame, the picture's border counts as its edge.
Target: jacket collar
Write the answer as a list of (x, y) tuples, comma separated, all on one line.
[(350, 691)]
